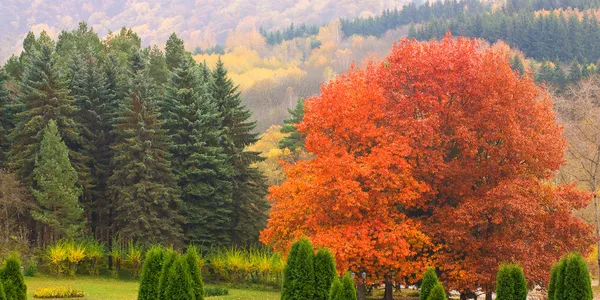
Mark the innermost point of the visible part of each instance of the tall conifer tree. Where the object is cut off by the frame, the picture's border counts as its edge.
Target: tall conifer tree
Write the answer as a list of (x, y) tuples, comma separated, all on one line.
[(249, 184), (198, 161), (142, 189), (6, 118), (55, 190)]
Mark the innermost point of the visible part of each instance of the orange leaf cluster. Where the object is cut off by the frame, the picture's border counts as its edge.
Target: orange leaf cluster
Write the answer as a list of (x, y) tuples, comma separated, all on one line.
[(439, 155)]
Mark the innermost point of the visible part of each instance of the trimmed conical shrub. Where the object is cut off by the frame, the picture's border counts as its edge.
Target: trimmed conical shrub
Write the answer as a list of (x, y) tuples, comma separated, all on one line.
[(559, 291), (337, 290), (299, 277), (349, 287), (289, 273), (552, 283), (169, 258), (2, 294), (179, 284), (12, 279), (193, 262), (151, 271), (510, 283), (519, 283), (325, 273), (577, 284), (430, 280), (437, 293)]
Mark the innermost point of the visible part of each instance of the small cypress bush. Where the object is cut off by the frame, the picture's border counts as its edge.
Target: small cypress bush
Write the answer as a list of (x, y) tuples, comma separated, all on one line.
[(325, 273), (289, 273), (519, 283), (179, 284), (430, 280), (2, 294), (349, 287), (577, 284), (559, 290), (193, 262), (151, 272), (12, 279), (437, 293), (511, 283), (299, 276), (552, 283), (169, 258), (337, 290), (504, 283)]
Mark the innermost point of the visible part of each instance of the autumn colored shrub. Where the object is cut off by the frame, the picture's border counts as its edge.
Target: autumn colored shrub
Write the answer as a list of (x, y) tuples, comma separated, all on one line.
[(193, 263), (430, 280), (151, 271), (510, 283), (12, 279), (577, 283), (179, 284), (437, 292), (58, 292), (325, 273)]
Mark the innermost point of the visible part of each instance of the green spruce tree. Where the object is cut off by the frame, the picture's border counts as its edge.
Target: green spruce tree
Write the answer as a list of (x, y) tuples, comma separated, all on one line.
[(559, 293), (430, 280), (44, 96), (575, 72), (175, 52), (96, 102), (151, 271), (325, 273), (289, 273), (202, 169), (142, 188), (55, 189), (6, 118), (193, 263), (295, 140), (179, 284), (249, 185), (577, 284), (12, 279), (301, 274)]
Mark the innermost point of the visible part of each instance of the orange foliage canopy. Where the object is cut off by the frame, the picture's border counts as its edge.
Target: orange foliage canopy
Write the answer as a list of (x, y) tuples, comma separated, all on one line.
[(440, 155)]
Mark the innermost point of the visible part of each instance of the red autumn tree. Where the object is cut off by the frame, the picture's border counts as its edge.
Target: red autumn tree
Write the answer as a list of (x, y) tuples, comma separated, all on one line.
[(438, 155)]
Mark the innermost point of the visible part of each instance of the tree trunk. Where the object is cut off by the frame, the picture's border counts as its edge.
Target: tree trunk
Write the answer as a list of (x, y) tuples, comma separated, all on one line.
[(488, 295), (388, 295), (362, 291)]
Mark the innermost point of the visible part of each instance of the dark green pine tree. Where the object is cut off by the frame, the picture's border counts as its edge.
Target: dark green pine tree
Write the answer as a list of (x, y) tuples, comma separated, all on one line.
[(170, 257), (517, 65), (575, 72), (552, 283), (193, 263), (577, 284), (158, 66), (96, 102), (299, 276), (175, 52), (142, 188), (202, 169), (295, 140), (7, 108), (12, 279), (179, 284), (559, 290), (55, 189), (249, 184), (43, 96)]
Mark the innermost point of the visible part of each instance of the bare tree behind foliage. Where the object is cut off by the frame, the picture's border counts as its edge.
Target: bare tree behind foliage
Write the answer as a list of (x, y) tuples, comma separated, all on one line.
[(15, 203), (579, 110)]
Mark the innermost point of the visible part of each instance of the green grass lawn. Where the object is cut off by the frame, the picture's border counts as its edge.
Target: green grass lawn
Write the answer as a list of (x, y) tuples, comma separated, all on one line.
[(98, 288)]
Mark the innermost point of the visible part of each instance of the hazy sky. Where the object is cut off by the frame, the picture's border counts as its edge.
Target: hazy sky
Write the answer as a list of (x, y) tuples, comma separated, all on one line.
[(198, 22)]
